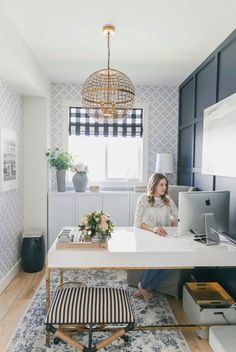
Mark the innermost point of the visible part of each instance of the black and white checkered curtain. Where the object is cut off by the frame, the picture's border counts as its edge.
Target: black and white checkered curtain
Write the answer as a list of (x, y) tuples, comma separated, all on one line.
[(81, 124)]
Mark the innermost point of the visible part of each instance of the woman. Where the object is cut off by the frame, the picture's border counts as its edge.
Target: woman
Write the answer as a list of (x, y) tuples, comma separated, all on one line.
[(154, 211)]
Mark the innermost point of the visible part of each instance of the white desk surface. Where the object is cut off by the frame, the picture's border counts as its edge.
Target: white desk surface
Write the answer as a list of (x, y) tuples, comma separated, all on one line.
[(130, 248)]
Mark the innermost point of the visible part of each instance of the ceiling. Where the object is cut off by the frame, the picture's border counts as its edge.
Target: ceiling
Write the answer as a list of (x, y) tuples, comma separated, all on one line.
[(156, 42)]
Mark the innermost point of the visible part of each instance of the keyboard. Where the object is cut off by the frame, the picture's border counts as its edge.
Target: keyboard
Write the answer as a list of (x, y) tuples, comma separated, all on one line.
[(172, 231)]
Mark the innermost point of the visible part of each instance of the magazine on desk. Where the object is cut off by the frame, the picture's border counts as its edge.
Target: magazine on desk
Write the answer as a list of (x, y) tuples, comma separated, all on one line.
[(70, 238)]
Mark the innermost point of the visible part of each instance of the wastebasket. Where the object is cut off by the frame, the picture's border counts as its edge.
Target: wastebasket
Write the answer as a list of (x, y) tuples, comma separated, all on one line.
[(32, 251)]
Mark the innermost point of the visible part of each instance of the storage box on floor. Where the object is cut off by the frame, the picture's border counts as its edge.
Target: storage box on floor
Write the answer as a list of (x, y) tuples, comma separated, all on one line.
[(207, 303), (222, 338)]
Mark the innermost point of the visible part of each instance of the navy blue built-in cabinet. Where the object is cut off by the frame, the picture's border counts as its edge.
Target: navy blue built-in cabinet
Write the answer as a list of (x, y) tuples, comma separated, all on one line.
[(212, 81)]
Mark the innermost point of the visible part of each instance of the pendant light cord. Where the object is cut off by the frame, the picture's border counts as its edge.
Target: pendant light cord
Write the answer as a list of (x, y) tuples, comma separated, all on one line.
[(108, 49), (108, 67)]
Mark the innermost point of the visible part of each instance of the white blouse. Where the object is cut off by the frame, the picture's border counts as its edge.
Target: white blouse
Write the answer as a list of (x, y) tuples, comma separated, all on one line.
[(159, 214)]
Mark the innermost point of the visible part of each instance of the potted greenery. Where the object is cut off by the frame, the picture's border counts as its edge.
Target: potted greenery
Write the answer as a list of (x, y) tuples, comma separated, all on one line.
[(61, 161)]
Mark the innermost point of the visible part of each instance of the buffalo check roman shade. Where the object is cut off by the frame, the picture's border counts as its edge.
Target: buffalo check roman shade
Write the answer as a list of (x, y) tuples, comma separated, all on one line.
[(81, 124)]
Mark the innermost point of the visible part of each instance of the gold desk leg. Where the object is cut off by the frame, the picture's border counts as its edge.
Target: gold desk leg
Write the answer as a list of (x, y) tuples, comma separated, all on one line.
[(47, 287), (61, 276)]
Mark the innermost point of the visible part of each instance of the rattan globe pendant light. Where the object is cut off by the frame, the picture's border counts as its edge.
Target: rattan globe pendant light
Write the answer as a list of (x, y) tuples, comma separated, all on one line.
[(108, 94)]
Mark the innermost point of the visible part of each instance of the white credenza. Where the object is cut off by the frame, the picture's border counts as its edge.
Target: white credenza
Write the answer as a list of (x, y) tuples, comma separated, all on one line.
[(117, 205), (61, 212), (67, 208), (85, 203)]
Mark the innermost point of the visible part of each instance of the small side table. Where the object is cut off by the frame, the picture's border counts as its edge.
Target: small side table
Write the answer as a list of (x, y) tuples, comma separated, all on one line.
[(32, 251)]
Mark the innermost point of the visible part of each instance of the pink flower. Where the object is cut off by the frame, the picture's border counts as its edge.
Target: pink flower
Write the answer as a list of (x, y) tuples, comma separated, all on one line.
[(104, 217), (103, 226), (96, 222), (80, 167), (103, 222), (84, 220)]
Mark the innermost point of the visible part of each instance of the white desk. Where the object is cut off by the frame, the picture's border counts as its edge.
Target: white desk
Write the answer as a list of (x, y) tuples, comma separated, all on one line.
[(131, 248)]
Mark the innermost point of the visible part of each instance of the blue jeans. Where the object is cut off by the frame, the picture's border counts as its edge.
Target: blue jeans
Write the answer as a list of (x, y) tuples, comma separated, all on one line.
[(153, 277)]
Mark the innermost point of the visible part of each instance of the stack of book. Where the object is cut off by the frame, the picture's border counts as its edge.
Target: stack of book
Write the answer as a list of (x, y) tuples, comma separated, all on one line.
[(66, 235)]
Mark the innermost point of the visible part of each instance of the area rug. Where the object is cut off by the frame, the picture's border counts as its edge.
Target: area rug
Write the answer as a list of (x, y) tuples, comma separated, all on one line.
[(30, 334)]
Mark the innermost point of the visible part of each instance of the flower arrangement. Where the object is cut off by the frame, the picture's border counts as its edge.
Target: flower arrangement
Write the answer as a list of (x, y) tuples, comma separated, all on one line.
[(59, 159), (80, 167), (96, 223)]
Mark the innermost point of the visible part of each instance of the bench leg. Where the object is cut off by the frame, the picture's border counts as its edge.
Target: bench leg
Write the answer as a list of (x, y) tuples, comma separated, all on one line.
[(110, 339), (59, 333)]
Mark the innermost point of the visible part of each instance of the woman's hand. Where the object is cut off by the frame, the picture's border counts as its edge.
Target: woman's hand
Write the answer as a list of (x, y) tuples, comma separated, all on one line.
[(159, 231), (174, 222)]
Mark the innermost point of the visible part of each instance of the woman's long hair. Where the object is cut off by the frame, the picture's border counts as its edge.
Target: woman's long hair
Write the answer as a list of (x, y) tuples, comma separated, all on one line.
[(151, 187)]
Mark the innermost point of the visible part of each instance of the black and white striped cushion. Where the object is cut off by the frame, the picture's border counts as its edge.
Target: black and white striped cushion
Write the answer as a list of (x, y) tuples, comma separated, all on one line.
[(90, 305)]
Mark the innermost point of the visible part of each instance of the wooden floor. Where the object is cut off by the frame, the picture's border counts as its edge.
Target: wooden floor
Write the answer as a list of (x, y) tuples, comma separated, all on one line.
[(195, 343), (13, 303), (17, 296)]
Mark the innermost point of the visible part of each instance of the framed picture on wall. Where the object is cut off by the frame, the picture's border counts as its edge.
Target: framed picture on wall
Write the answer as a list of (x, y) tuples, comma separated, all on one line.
[(8, 160)]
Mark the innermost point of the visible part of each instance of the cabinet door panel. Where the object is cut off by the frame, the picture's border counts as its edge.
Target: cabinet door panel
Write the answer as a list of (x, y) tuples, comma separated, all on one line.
[(61, 212), (185, 147), (85, 203), (205, 87), (185, 178), (187, 103), (133, 202), (117, 206), (227, 71)]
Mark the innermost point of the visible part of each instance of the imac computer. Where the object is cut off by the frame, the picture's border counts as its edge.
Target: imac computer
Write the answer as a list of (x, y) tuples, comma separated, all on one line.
[(203, 213)]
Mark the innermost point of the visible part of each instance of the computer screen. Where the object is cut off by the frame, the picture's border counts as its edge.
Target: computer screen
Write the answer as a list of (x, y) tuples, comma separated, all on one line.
[(194, 205)]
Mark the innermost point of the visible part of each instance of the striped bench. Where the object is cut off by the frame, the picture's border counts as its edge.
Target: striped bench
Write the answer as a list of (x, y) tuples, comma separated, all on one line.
[(80, 306)]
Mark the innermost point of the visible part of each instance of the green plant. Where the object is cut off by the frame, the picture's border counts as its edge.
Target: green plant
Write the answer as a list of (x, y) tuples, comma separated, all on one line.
[(58, 159)]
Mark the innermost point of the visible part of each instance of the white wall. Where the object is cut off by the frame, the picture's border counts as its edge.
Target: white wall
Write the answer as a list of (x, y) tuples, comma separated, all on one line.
[(11, 202), (17, 65), (36, 115), (22, 76)]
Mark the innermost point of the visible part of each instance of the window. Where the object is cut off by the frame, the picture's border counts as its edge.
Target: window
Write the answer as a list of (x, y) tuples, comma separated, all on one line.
[(114, 152)]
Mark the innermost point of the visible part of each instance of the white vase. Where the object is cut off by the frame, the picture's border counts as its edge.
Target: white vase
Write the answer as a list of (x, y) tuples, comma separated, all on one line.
[(80, 181)]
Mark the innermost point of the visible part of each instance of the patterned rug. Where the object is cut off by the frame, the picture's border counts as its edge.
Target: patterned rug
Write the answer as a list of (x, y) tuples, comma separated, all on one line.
[(30, 334)]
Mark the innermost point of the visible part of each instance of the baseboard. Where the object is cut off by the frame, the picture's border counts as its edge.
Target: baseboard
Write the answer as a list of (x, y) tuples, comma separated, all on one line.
[(9, 276)]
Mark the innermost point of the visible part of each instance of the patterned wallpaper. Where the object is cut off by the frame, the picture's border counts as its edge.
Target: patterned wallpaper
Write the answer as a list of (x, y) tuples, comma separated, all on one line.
[(163, 106), (163, 118), (11, 202)]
